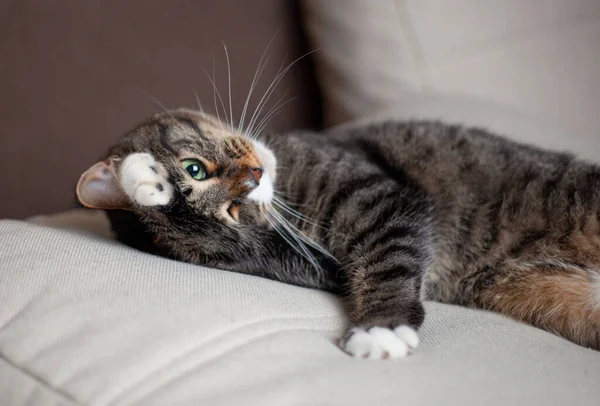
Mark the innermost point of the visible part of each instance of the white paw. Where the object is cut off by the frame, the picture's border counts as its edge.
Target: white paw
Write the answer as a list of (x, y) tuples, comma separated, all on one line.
[(381, 342), (145, 181)]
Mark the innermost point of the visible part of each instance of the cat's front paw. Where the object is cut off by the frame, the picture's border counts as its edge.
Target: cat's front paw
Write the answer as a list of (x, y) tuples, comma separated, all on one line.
[(145, 181), (380, 342)]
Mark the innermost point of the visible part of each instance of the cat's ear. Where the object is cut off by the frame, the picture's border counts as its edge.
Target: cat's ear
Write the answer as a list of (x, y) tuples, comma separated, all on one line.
[(99, 188)]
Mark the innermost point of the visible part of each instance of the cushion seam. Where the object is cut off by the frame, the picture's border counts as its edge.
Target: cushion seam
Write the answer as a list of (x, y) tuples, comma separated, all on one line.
[(40, 381), (185, 354), (166, 382)]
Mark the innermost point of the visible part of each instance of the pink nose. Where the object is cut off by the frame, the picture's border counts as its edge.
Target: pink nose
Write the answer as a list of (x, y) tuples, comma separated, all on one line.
[(256, 174)]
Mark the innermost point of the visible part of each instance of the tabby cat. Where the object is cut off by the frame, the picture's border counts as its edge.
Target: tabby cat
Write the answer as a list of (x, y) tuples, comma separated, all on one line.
[(387, 215)]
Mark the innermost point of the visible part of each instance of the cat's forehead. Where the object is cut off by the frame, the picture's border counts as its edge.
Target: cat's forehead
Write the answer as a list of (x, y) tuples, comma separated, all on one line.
[(174, 136), (181, 130), (185, 124)]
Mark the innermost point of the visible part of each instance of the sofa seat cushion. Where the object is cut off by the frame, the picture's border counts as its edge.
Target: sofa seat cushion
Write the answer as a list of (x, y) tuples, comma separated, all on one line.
[(85, 320)]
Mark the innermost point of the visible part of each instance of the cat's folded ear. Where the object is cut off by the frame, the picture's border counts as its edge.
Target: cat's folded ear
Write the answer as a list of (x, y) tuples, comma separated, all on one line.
[(99, 188)]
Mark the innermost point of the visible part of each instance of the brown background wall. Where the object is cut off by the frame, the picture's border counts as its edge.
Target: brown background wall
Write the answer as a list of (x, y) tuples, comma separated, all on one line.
[(75, 75)]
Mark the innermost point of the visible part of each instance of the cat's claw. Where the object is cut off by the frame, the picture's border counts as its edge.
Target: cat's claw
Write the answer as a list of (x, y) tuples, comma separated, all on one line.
[(145, 181), (381, 342)]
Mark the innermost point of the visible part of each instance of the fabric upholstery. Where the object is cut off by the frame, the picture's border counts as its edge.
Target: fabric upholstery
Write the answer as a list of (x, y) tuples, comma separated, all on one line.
[(509, 122), (540, 58), (87, 321)]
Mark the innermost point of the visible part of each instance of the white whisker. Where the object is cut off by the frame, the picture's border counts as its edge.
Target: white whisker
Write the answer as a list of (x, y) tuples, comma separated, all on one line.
[(250, 93), (294, 212), (298, 234), (276, 110), (229, 84), (288, 197), (300, 245), (214, 98), (302, 250), (262, 102), (281, 205), (269, 92), (200, 108), (270, 111), (213, 81), (254, 134), (255, 79), (162, 106)]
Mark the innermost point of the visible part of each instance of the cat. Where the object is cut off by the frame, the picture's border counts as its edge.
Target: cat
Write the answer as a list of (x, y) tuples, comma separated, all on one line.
[(387, 215)]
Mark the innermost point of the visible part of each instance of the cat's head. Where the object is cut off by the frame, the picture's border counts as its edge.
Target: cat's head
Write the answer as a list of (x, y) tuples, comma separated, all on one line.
[(185, 169)]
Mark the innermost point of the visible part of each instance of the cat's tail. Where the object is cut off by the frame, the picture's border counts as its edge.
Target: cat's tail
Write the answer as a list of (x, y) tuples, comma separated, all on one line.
[(557, 296)]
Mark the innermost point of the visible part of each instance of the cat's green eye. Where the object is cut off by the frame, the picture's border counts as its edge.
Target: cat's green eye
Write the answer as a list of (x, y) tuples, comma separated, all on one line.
[(195, 168)]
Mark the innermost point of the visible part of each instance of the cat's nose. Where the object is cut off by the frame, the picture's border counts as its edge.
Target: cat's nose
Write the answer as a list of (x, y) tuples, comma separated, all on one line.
[(256, 174)]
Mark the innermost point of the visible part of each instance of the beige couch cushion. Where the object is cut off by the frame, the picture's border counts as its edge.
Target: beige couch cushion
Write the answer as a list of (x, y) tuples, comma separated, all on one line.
[(87, 321), (540, 58)]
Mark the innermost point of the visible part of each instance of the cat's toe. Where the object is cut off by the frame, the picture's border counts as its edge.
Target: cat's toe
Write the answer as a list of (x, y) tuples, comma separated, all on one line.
[(150, 195), (145, 181), (408, 335), (380, 342)]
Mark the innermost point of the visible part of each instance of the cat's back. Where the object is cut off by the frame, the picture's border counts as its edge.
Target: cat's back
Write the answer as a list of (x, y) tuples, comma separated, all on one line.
[(429, 147), (431, 152), (423, 139), (466, 172)]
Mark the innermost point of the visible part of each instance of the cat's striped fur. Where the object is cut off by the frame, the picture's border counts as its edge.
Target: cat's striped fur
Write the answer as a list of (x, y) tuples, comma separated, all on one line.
[(410, 211)]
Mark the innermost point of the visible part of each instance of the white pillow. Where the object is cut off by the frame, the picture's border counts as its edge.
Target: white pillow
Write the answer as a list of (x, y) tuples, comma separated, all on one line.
[(509, 122), (537, 57)]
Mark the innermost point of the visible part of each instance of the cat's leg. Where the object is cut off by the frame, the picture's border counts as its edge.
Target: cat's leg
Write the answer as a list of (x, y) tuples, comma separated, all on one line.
[(144, 180), (557, 296), (384, 276), (386, 310)]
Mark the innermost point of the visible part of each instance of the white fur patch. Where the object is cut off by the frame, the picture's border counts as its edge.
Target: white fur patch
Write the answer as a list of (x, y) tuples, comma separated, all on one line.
[(264, 192), (267, 158), (381, 342), (145, 181)]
